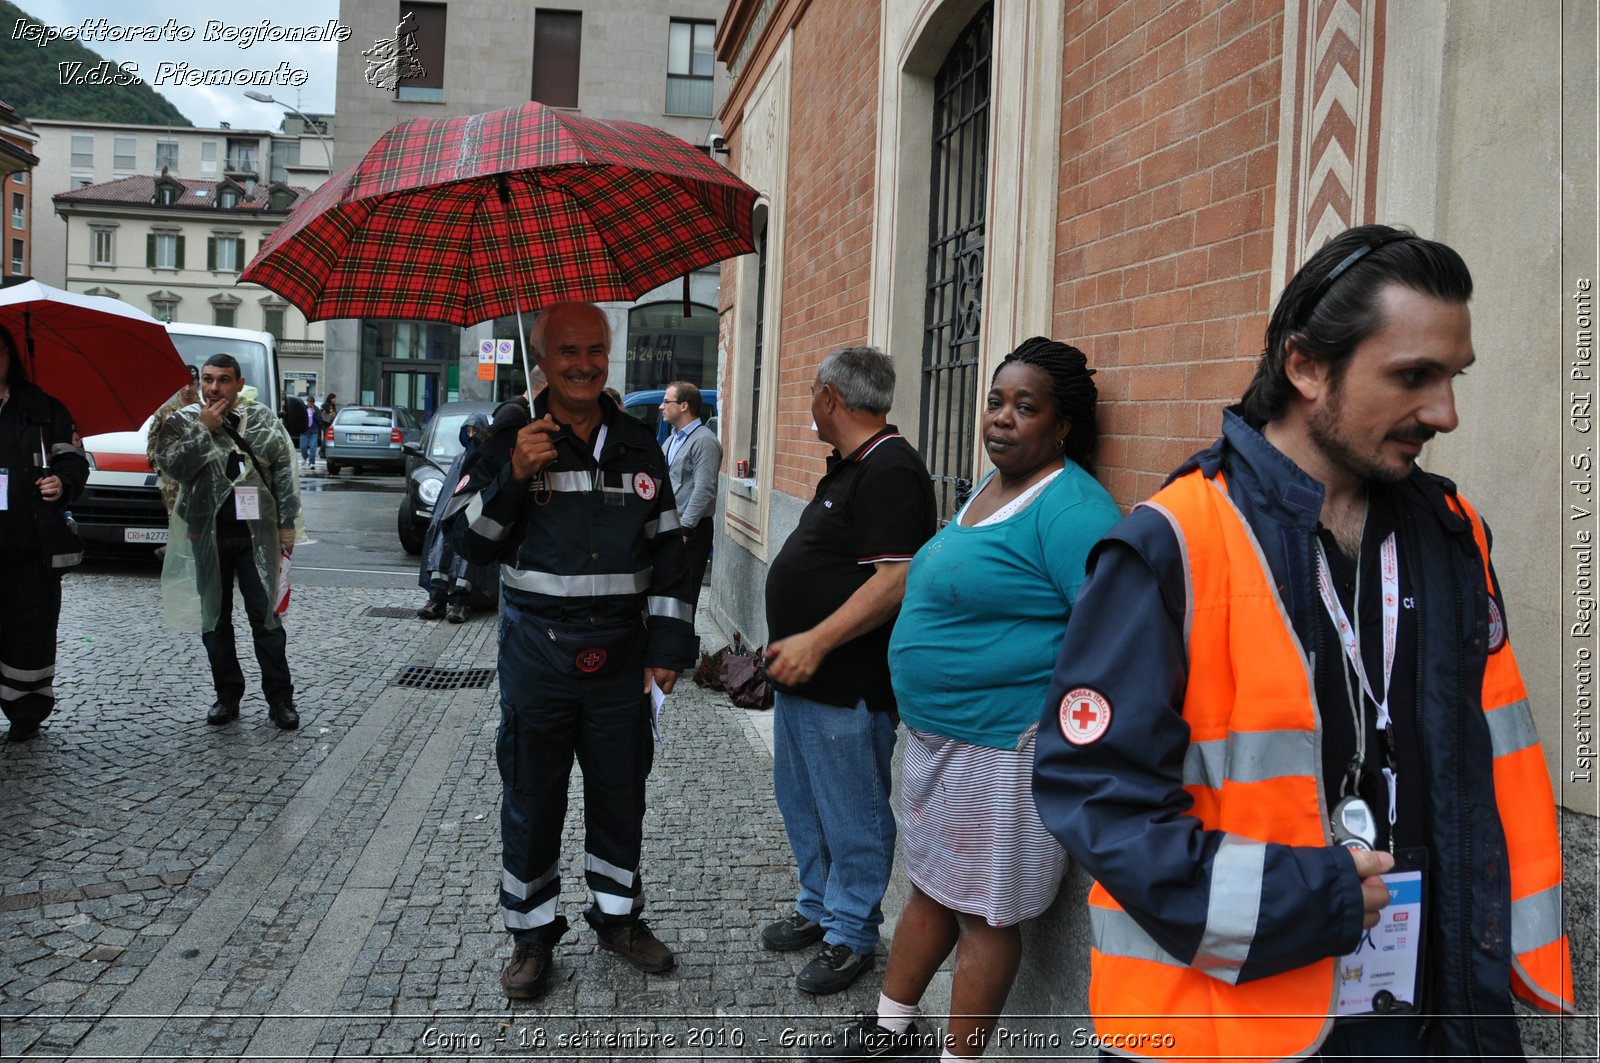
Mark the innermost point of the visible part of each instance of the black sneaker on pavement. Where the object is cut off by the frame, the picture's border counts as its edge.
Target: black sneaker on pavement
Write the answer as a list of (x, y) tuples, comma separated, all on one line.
[(833, 971), (867, 1040), (787, 935), (634, 942), (432, 611), (457, 613), (25, 731), (527, 973)]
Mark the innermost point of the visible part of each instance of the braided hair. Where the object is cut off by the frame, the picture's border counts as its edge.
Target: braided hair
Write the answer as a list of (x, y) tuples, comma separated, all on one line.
[(1071, 389)]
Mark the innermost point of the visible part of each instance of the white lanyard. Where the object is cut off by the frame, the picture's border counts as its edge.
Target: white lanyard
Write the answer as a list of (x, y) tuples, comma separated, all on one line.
[(1350, 635), (1389, 571)]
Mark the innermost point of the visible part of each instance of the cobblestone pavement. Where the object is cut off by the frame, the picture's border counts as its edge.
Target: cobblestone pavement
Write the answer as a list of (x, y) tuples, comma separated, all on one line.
[(172, 890)]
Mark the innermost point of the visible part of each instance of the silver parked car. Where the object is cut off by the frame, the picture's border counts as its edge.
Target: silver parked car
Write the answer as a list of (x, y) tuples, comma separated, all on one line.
[(371, 437)]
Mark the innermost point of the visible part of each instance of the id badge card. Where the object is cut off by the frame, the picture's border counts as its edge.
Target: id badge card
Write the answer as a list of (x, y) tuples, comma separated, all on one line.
[(247, 503), (1384, 973), (5, 490)]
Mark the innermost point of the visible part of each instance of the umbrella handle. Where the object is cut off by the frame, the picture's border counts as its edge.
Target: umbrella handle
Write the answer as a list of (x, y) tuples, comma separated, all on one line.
[(504, 191)]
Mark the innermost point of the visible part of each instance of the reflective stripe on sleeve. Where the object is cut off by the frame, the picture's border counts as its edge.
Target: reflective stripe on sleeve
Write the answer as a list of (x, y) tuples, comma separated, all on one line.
[(1234, 908), (589, 586), (1511, 727), (569, 481), (483, 526), (671, 607)]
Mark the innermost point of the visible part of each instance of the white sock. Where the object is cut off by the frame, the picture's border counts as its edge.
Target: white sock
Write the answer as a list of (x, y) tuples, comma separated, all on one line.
[(895, 1016)]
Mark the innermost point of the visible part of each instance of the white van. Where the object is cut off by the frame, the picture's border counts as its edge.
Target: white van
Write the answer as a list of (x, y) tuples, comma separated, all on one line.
[(121, 507)]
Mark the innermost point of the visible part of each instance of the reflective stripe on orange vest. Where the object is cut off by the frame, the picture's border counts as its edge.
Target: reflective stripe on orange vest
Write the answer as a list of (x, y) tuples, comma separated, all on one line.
[(1541, 963), (1254, 771)]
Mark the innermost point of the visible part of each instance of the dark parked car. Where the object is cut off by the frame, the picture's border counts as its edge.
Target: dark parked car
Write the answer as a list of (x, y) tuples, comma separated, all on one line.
[(426, 464), (370, 437), (646, 405)]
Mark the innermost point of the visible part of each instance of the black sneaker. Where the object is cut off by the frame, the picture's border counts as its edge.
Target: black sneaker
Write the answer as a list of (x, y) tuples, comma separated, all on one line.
[(867, 1040), (23, 731), (787, 935), (284, 716), (833, 971)]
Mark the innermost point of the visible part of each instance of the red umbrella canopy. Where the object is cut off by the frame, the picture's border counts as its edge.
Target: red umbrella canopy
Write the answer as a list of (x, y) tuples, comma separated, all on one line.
[(473, 217), (110, 364)]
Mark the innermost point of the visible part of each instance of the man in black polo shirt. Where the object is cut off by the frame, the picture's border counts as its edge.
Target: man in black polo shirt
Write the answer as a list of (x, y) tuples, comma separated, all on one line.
[(832, 594)]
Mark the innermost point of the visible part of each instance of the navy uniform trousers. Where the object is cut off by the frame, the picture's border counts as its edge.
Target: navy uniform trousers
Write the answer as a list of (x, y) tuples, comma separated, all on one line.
[(550, 711)]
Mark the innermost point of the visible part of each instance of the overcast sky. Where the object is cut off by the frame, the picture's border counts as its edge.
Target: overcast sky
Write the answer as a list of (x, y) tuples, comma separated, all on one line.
[(201, 104)]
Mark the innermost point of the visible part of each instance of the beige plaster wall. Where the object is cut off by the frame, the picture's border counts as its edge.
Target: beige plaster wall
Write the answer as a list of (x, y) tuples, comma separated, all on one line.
[(1478, 111)]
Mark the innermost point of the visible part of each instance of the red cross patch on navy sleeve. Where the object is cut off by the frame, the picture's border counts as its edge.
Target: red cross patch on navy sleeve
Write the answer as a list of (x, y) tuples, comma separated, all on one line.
[(1084, 715)]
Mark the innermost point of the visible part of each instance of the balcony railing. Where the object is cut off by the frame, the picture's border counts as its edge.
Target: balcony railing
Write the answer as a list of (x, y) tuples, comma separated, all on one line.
[(300, 348)]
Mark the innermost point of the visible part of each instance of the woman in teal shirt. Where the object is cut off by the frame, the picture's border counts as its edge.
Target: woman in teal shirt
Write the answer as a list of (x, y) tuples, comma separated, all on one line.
[(986, 605)]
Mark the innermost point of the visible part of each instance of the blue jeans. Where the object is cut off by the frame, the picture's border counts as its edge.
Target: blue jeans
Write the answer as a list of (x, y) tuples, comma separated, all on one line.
[(830, 772), (308, 446)]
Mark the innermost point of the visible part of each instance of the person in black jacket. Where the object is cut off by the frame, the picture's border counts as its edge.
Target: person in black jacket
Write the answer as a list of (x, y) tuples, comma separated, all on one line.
[(42, 469), (597, 605)]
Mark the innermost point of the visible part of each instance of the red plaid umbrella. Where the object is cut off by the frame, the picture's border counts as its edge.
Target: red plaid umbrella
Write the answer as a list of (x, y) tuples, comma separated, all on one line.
[(468, 218)]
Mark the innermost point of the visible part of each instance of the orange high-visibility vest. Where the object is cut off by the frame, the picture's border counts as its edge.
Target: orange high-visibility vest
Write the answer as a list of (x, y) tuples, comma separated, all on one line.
[(1253, 769)]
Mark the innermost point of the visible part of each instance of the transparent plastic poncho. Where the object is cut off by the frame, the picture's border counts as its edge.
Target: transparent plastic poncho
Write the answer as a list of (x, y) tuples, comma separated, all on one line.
[(198, 460)]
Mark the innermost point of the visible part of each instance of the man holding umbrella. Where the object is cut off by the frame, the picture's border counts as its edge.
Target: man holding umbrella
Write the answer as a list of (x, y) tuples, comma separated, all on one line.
[(42, 469), (577, 505)]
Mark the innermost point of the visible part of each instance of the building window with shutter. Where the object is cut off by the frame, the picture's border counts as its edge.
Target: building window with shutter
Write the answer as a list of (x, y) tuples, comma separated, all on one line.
[(18, 256), (166, 155), (557, 45), (208, 156), (104, 246), (272, 321), (19, 210), (427, 84), (124, 155), (689, 67), (222, 315), (163, 307), (224, 253), (164, 251), (83, 151)]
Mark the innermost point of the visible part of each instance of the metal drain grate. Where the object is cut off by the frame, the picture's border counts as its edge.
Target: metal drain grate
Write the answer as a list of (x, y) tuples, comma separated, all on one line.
[(430, 678), (390, 612)]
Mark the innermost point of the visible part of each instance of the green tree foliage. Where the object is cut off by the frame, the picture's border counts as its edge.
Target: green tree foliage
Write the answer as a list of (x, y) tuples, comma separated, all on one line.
[(30, 81)]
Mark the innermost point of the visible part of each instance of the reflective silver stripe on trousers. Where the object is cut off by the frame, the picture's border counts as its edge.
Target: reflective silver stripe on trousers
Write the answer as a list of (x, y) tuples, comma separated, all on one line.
[(1115, 933), (614, 904), (26, 675), (1511, 728), (668, 521), (671, 607), (13, 694), (617, 874), (492, 530), (1250, 756), (1536, 920), (521, 890), (591, 586), (543, 915), (1234, 908)]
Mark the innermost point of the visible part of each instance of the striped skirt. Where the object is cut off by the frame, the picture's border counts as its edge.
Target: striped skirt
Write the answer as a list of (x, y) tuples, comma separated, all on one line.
[(973, 840)]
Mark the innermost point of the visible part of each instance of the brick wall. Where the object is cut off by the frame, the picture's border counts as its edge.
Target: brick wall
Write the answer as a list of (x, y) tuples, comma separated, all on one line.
[(1164, 243), (828, 218)]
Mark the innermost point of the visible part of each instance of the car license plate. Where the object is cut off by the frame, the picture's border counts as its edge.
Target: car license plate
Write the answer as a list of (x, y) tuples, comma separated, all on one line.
[(144, 535), (362, 437)]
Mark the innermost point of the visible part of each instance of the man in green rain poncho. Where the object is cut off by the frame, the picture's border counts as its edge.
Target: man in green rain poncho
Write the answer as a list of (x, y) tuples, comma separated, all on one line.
[(235, 521)]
